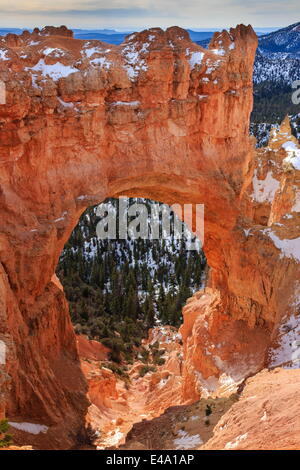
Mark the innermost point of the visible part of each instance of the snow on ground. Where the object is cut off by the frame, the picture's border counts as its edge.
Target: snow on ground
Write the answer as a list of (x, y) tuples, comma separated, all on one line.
[(101, 62), (187, 441), (55, 71), (263, 132), (90, 51), (2, 352), (33, 43), (166, 335), (235, 443), (56, 52), (63, 216), (220, 51), (206, 386), (65, 104), (279, 70), (264, 416), (3, 55), (163, 382), (29, 427), (287, 354), (293, 152), (125, 103), (134, 62), (230, 375), (196, 59), (288, 247), (194, 418), (112, 439), (212, 65), (264, 190)]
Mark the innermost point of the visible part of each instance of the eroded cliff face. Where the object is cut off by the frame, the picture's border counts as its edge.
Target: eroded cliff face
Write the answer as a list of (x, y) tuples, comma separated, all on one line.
[(222, 349), (118, 402), (264, 418), (159, 117)]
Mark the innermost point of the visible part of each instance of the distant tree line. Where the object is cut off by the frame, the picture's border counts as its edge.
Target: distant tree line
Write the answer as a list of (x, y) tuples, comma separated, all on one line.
[(118, 289)]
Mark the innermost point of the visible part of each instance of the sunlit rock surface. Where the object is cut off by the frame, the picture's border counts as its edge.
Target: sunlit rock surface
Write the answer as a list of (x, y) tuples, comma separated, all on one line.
[(158, 117)]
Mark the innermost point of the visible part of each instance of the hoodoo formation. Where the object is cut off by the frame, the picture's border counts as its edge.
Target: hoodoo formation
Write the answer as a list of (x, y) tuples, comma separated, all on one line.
[(158, 117)]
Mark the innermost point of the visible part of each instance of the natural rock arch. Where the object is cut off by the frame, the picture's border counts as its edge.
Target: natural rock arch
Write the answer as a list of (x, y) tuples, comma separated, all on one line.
[(158, 117)]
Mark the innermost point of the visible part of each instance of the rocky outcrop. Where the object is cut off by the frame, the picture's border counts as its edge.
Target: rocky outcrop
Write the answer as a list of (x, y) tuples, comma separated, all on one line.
[(219, 351), (184, 427), (222, 349), (159, 117), (90, 350), (161, 388), (264, 418), (119, 401)]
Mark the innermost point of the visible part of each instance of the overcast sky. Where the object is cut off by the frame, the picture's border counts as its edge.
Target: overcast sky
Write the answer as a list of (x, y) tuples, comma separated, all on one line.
[(137, 14)]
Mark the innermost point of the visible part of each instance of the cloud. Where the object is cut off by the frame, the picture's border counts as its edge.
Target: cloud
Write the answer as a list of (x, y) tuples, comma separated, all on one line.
[(145, 13), (268, 7), (102, 12)]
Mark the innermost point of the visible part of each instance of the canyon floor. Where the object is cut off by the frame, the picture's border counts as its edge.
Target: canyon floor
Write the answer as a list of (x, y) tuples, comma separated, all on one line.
[(148, 411), (183, 427)]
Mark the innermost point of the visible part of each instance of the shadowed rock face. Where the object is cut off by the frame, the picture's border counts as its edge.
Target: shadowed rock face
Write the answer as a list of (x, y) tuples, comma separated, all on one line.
[(158, 117)]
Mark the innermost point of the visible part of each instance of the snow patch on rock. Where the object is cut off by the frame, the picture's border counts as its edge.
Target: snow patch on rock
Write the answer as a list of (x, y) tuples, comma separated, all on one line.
[(287, 353), (186, 441), (196, 59), (234, 444), (3, 55), (29, 427), (134, 62), (290, 248), (264, 190), (55, 71), (293, 157)]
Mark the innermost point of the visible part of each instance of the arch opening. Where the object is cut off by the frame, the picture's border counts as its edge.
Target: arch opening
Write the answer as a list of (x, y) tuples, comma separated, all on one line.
[(154, 250), (126, 297)]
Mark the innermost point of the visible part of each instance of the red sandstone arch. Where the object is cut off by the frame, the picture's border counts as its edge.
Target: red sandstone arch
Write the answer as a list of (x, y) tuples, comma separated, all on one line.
[(175, 132)]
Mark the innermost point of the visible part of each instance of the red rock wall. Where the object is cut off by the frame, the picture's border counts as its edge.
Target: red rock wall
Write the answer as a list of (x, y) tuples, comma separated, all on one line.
[(264, 418), (230, 334), (145, 118)]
